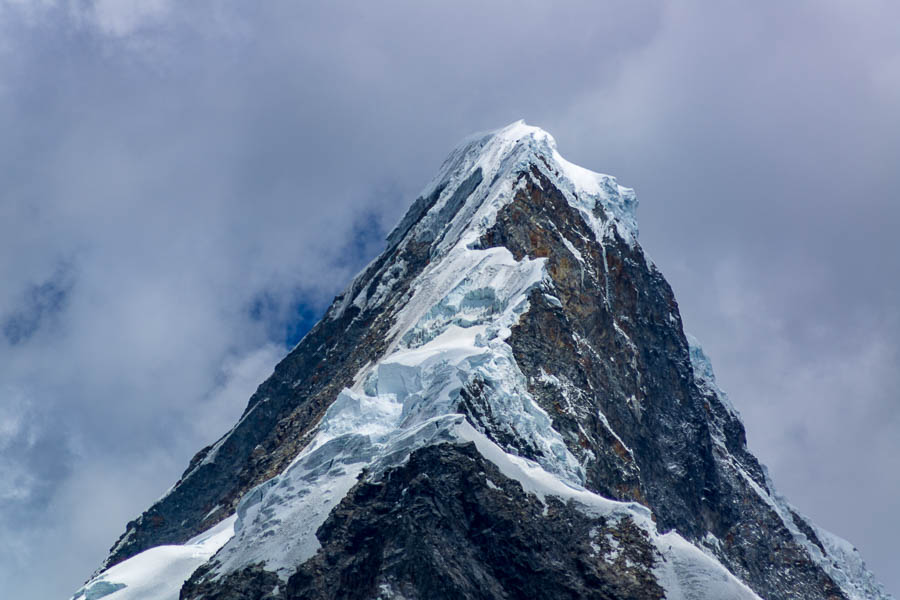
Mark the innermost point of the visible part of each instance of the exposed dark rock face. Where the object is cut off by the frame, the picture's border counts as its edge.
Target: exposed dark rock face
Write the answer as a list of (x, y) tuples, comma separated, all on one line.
[(251, 583), (448, 525), (614, 348), (601, 348)]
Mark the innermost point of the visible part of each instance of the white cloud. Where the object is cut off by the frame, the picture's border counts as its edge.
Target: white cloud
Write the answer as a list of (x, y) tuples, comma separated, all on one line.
[(17, 437), (123, 17)]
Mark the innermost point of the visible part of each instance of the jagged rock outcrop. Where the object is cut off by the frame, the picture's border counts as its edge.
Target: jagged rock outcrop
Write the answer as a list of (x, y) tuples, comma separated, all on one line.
[(502, 405)]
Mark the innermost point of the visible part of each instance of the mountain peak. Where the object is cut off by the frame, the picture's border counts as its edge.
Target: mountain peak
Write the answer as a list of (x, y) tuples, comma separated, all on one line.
[(541, 145), (502, 404), (482, 173)]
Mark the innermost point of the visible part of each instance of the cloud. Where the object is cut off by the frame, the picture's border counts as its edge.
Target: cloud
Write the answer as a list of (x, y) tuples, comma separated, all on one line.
[(124, 17), (116, 18), (211, 175), (40, 303), (16, 432)]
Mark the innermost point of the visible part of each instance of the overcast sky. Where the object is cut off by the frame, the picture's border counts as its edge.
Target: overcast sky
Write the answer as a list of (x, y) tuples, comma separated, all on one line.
[(185, 186)]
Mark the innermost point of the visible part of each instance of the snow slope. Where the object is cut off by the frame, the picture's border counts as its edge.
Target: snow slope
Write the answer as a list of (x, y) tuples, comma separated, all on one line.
[(158, 573)]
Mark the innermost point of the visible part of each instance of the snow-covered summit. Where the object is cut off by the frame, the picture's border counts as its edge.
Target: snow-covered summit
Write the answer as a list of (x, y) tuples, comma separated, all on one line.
[(507, 386), (478, 179), (503, 153), (490, 149)]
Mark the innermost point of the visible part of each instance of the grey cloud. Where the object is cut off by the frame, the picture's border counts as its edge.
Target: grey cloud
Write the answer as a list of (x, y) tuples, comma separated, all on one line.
[(39, 304), (212, 174)]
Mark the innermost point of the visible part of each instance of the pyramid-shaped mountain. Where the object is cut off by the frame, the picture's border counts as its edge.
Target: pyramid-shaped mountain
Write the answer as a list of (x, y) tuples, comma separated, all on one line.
[(502, 405)]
